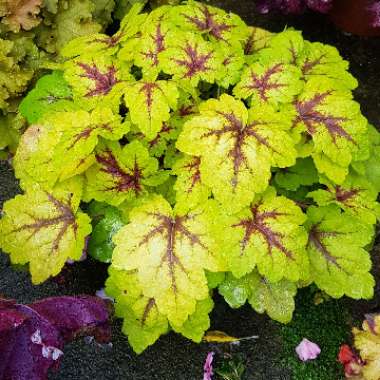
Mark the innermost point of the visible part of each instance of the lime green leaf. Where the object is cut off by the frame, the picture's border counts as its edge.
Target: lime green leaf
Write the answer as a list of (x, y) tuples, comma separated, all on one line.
[(149, 104), (122, 174), (143, 323), (190, 59), (356, 196), (51, 94), (214, 23), (237, 148), (189, 187), (335, 125), (170, 253), (44, 229), (287, 47), (324, 61), (64, 144), (303, 173), (214, 279), (94, 44), (273, 83), (100, 245), (267, 235), (370, 168), (339, 264), (198, 322), (256, 40), (145, 50), (96, 79)]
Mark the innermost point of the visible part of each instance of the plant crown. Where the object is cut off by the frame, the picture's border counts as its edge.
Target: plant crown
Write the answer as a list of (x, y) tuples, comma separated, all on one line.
[(202, 153)]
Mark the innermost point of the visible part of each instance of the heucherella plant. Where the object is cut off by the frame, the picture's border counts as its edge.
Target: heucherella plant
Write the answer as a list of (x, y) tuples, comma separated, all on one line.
[(197, 153)]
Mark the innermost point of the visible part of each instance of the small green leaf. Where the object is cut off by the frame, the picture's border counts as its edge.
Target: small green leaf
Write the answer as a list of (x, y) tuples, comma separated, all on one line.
[(51, 94), (101, 246), (303, 173)]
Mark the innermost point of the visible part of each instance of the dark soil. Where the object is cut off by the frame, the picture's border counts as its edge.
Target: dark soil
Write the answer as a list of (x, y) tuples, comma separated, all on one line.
[(272, 356)]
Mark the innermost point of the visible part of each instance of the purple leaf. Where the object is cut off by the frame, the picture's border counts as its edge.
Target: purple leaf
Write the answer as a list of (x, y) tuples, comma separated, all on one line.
[(207, 368), (32, 336)]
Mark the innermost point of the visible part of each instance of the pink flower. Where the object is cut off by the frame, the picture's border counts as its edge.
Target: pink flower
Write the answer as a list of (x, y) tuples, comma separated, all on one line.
[(207, 368), (307, 350)]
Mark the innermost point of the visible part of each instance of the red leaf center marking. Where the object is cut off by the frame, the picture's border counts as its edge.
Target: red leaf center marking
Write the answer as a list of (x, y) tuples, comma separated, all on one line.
[(148, 89), (158, 39), (316, 238), (258, 224), (264, 83), (170, 228), (65, 219), (149, 306), (186, 110), (345, 196), (103, 81), (193, 168), (110, 41), (207, 22), (293, 52), (239, 133), (166, 128), (194, 61), (123, 181), (250, 44), (312, 118), (86, 133), (310, 64)]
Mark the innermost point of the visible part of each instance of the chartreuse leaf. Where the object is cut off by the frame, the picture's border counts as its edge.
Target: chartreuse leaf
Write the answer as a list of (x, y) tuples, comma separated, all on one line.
[(334, 123), (356, 196), (44, 229), (100, 245), (94, 44), (303, 173), (198, 322), (122, 173), (367, 342), (96, 79), (237, 148), (142, 322), (287, 47), (339, 264), (189, 187), (276, 299), (324, 61), (214, 23), (10, 126), (370, 167), (63, 145), (149, 104), (145, 50), (270, 82), (170, 253), (51, 94), (268, 235), (256, 40), (190, 59)]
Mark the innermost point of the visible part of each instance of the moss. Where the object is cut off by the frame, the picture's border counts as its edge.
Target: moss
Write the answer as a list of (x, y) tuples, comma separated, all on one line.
[(325, 324)]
